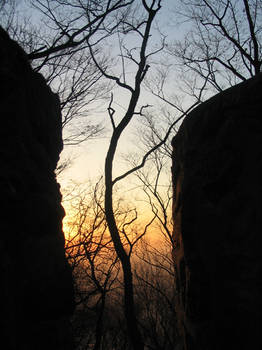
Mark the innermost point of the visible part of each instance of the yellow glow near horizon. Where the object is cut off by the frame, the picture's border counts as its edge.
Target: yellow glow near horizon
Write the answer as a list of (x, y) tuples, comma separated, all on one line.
[(153, 234)]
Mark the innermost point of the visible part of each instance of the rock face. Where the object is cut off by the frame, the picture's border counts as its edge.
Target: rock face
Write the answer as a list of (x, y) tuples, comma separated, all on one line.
[(36, 296), (217, 209)]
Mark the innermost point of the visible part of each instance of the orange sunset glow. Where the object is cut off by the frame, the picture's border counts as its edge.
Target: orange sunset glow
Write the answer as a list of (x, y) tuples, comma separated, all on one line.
[(141, 118)]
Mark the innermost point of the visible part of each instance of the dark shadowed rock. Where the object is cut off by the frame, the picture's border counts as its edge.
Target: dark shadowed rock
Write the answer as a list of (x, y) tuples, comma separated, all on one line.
[(36, 295), (217, 175)]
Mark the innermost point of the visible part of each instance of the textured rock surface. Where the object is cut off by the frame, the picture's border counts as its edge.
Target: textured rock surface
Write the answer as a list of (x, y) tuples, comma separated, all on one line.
[(217, 174), (36, 295)]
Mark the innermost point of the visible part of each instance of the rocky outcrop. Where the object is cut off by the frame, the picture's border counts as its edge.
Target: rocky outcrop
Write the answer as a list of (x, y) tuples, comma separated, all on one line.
[(36, 295), (217, 177)]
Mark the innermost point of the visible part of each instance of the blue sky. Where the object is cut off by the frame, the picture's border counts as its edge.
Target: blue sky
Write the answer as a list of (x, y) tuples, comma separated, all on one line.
[(89, 157)]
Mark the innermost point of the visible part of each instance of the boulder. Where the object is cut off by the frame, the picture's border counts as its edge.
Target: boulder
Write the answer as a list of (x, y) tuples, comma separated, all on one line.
[(217, 211), (37, 290)]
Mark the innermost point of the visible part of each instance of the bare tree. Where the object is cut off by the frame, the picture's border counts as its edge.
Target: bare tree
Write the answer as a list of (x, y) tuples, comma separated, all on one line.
[(143, 30), (54, 34), (93, 260), (132, 323), (98, 280), (155, 295), (224, 42)]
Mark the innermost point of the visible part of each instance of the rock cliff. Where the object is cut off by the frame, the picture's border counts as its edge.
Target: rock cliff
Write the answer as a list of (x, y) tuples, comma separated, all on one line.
[(36, 296), (217, 210)]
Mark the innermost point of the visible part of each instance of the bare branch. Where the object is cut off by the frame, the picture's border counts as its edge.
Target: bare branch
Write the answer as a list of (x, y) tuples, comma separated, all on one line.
[(256, 62), (111, 112), (72, 39), (153, 149), (106, 75)]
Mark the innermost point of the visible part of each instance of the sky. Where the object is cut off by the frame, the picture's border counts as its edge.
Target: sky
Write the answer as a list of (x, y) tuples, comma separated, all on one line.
[(88, 158)]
